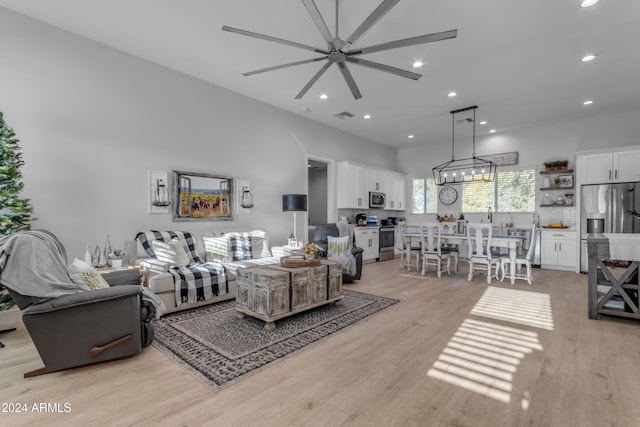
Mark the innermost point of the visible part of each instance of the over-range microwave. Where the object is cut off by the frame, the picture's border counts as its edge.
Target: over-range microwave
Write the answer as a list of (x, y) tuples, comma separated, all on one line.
[(376, 200)]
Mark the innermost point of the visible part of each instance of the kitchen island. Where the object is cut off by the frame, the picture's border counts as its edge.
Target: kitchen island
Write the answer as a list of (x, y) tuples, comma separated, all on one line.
[(613, 284)]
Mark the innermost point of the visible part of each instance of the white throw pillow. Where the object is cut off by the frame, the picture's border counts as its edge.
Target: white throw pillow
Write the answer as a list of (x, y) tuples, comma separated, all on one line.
[(337, 246), (216, 249), (259, 244), (171, 252), (82, 273)]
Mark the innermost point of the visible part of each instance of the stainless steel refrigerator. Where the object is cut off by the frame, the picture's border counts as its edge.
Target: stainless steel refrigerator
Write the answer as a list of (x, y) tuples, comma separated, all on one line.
[(617, 204)]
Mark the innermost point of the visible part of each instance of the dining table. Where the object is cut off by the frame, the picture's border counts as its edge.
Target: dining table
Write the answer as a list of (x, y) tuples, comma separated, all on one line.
[(512, 243)]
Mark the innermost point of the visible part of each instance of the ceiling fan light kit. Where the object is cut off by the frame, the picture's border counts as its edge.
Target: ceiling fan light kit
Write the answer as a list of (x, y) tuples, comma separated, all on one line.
[(473, 169), (340, 51)]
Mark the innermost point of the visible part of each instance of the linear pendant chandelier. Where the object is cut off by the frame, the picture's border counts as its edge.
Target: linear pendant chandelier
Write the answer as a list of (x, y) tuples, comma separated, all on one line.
[(473, 169)]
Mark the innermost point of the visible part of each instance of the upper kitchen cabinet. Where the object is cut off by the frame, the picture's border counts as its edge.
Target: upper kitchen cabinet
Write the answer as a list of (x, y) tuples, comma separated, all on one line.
[(376, 180), (618, 166), (395, 190), (355, 181), (353, 192)]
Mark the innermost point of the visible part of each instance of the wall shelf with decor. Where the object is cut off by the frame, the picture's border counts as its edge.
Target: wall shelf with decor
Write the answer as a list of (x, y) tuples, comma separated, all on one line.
[(556, 172), (557, 187), (557, 180)]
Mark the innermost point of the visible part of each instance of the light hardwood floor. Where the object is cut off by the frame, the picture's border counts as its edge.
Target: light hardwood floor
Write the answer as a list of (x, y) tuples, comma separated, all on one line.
[(445, 355)]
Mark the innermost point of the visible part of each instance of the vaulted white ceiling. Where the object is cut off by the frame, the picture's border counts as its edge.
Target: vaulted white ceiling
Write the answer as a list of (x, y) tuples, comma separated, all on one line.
[(519, 62)]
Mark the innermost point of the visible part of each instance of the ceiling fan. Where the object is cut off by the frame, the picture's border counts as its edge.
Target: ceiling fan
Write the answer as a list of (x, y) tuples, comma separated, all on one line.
[(340, 51)]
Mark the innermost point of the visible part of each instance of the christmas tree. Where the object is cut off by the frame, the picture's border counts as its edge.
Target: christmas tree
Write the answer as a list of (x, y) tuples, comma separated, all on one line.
[(15, 213)]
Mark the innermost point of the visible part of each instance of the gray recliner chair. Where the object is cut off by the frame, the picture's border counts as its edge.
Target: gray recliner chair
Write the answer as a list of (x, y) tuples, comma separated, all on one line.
[(320, 237), (88, 327)]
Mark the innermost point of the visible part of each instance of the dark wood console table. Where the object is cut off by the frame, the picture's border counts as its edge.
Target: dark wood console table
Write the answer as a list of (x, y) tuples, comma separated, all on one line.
[(612, 290)]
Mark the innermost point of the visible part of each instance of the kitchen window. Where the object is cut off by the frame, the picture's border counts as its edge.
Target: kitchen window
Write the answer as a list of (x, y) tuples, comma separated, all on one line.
[(424, 196), (511, 191)]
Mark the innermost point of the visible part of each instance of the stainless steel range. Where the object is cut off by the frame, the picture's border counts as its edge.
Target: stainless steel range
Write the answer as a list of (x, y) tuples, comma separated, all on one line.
[(387, 239)]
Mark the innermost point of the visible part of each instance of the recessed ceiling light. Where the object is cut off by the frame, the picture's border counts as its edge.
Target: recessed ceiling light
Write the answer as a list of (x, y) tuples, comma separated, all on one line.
[(484, 122), (492, 131), (588, 58), (588, 102), (410, 136), (367, 116), (587, 3), (323, 96), (417, 64), (452, 94)]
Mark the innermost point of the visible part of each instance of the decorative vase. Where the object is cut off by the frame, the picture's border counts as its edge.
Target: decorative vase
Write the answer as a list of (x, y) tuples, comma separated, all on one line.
[(116, 263)]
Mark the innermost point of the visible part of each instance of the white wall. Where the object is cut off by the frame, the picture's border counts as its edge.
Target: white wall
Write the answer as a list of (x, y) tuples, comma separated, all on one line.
[(535, 146), (92, 120)]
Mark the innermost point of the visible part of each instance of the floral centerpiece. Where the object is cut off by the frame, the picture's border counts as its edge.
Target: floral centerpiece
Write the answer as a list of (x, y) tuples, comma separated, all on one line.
[(310, 250), (307, 257)]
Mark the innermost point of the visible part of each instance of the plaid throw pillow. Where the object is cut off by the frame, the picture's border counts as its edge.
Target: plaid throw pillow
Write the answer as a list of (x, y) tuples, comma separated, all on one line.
[(240, 246), (146, 237)]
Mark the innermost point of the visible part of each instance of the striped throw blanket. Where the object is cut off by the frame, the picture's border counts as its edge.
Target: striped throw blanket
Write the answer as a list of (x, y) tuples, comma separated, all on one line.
[(199, 282)]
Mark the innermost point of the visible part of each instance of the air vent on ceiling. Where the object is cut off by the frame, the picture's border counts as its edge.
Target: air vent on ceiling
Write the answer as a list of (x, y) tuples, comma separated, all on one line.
[(344, 115)]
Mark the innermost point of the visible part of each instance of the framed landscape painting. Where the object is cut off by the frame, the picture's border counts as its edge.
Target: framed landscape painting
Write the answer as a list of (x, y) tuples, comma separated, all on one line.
[(202, 196)]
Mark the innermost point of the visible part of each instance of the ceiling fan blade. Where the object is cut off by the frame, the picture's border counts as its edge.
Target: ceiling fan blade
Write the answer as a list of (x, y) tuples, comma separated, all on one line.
[(273, 39), (375, 16), (451, 34), (349, 79), (314, 79), (320, 24), (386, 68), (277, 67)]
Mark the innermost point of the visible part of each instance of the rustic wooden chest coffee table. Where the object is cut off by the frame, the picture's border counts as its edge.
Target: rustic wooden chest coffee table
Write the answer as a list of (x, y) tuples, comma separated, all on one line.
[(274, 292)]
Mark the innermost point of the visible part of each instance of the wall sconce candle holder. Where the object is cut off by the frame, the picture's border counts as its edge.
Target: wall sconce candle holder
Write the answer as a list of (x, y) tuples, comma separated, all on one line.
[(246, 200), (161, 195)]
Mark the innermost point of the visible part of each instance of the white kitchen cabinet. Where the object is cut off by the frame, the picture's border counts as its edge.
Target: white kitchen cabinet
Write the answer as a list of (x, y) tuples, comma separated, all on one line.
[(558, 250), (401, 193), (368, 238), (626, 166), (352, 186), (390, 191), (376, 180), (618, 166), (355, 181), (395, 187)]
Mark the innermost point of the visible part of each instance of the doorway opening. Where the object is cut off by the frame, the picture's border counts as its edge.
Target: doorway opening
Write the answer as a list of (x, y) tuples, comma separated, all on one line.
[(317, 193), (321, 193)]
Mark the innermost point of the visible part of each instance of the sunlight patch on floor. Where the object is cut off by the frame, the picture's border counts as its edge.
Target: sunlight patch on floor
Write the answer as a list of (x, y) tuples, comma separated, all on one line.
[(483, 357), (516, 306)]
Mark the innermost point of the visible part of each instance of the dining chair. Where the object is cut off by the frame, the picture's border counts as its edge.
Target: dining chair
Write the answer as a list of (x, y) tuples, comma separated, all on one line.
[(433, 254), (454, 250), (521, 261), (398, 241), (480, 255), (408, 249)]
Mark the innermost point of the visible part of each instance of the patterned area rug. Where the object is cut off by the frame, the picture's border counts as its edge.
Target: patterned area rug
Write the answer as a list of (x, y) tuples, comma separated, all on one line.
[(219, 349)]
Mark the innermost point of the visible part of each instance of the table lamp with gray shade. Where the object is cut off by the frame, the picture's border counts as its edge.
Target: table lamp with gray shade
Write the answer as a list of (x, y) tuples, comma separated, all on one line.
[(294, 203)]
